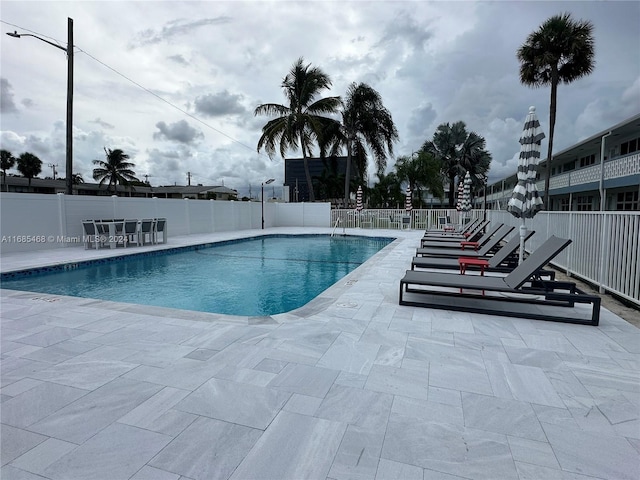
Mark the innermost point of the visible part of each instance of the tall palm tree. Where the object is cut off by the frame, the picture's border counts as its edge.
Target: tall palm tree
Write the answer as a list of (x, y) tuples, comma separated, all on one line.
[(29, 165), (560, 51), (8, 161), (300, 123), (421, 170), (116, 169), (458, 151), (365, 123)]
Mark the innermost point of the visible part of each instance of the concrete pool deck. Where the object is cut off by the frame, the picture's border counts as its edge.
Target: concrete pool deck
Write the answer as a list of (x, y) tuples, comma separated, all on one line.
[(352, 385)]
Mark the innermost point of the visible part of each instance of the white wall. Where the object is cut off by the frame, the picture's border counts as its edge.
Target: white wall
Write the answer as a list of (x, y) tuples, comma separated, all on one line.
[(37, 221)]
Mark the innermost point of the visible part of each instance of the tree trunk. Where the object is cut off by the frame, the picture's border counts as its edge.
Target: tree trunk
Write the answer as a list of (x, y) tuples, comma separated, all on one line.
[(452, 178), (552, 124), (347, 176), (312, 197)]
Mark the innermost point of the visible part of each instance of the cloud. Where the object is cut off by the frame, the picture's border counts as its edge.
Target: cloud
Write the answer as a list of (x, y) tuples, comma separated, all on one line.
[(7, 105), (219, 104), (178, 59), (102, 123), (173, 28), (177, 132)]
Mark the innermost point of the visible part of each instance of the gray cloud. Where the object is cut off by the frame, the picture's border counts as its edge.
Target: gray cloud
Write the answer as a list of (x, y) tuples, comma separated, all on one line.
[(178, 59), (178, 132), (7, 105), (173, 28), (219, 104), (102, 123)]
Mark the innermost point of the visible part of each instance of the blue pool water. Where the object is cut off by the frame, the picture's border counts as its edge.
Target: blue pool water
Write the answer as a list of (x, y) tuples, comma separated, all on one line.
[(258, 276)]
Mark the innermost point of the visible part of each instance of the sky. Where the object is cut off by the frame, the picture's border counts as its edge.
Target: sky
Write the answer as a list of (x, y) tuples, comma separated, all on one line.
[(175, 84)]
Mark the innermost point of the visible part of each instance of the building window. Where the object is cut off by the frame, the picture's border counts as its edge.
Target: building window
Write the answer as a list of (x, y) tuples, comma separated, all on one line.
[(585, 203), (565, 206), (628, 201), (588, 160), (567, 167), (630, 146)]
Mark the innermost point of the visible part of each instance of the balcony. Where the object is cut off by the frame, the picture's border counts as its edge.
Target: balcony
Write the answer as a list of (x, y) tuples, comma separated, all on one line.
[(620, 167)]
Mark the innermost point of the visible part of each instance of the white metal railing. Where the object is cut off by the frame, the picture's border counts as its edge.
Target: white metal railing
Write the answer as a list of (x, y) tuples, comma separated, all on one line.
[(396, 219), (605, 248)]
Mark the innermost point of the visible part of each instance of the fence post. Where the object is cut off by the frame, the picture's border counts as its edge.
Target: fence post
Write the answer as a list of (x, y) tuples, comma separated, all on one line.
[(62, 216), (603, 249), (115, 206), (570, 235)]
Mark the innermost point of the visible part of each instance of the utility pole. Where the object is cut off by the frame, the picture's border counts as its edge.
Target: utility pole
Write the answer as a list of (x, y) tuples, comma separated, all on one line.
[(54, 170), (189, 178), (69, 126)]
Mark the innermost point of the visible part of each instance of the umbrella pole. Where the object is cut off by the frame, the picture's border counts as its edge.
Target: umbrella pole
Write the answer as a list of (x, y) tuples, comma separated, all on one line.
[(523, 234)]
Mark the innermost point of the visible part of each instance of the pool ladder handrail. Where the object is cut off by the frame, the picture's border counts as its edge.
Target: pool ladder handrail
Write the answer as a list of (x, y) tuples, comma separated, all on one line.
[(335, 226)]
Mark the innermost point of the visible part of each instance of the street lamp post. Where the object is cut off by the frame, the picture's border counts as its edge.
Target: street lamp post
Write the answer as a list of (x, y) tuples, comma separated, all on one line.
[(69, 52), (267, 182)]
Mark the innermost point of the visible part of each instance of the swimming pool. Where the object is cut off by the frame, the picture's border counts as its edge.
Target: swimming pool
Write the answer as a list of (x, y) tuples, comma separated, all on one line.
[(252, 277)]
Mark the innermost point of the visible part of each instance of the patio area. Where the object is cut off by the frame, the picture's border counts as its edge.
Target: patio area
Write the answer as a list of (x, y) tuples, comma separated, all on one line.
[(350, 386)]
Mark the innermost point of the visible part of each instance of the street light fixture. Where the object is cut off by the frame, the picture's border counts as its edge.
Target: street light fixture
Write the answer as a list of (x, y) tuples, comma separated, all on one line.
[(69, 52), (267, 182)]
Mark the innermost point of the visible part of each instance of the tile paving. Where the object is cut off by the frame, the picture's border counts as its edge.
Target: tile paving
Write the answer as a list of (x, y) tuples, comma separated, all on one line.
[(350, 386)]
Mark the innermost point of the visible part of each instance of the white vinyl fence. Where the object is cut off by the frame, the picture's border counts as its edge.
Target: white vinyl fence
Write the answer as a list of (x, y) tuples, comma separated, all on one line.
[(605, 248), (38, 222)]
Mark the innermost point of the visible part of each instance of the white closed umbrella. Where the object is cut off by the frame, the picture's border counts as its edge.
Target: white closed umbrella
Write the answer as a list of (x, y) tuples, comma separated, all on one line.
[(525, 201), (465, 205)]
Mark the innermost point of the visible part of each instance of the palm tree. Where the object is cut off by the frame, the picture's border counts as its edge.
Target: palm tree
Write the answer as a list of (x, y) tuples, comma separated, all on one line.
[(365, 123), (77, 179), (300, 123), (329, 182), (29, 165), (475, 159), (560, 51), (116, 170), (387, 192), (421, 170), (8, 161), (458, 151)]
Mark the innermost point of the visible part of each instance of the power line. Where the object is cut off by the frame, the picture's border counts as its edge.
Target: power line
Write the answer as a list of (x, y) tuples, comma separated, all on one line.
[(141, 87)]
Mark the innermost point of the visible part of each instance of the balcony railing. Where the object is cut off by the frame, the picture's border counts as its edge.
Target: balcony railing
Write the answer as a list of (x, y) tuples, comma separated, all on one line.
[(616, 168)]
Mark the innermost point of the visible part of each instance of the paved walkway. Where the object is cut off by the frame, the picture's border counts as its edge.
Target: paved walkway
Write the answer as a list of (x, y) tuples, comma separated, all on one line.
[(350, 386)]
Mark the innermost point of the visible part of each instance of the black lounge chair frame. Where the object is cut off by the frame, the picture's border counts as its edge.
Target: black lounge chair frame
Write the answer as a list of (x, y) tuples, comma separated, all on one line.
[(555, 293)]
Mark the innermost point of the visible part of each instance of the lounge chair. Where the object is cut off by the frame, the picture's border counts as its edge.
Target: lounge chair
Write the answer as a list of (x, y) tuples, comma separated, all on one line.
[(439, 232), (502, 255), (486, 244), (455, 241), (516, 295), (471, 235), (504, 260)]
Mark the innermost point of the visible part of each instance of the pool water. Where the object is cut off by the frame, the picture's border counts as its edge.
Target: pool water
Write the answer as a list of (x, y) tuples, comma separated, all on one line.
[(252, 277)]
